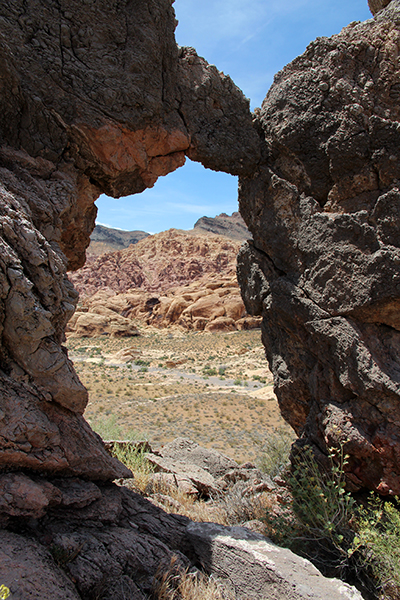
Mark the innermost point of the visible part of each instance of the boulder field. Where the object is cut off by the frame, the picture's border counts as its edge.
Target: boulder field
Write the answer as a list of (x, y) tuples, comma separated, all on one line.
[(95, 97)]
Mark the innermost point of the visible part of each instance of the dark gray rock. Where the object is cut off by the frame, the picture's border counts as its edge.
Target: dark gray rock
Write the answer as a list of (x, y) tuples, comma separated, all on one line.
[(323, 267), (28, 571)]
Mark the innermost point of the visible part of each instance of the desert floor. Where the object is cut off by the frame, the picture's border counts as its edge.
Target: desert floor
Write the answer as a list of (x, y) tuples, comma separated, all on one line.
[(214, 388)]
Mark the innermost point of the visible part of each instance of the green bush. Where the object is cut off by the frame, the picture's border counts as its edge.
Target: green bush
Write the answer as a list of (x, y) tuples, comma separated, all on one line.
[(108, 429), (377, 542), (322, 521)]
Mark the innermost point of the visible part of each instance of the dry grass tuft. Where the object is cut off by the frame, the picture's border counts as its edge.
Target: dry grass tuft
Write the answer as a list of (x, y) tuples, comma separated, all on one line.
[(174, 585)]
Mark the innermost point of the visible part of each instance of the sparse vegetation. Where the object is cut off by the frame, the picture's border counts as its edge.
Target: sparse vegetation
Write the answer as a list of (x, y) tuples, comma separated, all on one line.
[(180, 400), (356, 541), (177, 584)]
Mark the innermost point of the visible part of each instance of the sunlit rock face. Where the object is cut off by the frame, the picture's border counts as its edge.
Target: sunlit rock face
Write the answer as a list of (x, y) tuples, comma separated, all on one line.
[(94, 97), (324, 267)]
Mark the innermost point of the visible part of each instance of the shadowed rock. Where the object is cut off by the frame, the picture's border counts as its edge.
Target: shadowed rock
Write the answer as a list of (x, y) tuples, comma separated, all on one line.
[(323, 270)]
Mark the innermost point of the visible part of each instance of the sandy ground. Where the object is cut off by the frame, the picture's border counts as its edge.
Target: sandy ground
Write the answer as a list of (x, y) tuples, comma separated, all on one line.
[(214, 388)]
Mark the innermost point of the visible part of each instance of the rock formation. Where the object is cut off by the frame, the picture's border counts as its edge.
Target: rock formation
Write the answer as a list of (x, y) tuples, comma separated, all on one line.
[(209, 304), (323, 270), (97, 97), (173, 278), (159, 262)]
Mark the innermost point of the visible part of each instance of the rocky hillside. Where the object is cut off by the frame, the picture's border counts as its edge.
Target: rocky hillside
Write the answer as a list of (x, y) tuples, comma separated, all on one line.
[(105, 239), (232, 226), (173, 278), (211, 303), (159, 262)]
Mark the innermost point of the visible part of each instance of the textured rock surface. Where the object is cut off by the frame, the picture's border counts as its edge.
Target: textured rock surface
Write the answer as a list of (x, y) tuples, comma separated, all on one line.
[(209, 303), (173, 278), (323, 208), (108, 541), (255, 568), (159, 262), (94, 97), (377, 5), (189, 461), (28, 571)]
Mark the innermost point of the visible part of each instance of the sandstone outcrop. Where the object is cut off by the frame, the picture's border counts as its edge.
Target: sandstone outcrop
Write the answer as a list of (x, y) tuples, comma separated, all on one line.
[(173, 278), (323, 269), (211, 303), (158, 263)]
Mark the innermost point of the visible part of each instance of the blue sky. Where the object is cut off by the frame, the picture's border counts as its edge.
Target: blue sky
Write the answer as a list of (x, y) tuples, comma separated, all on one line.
[(250, 40)]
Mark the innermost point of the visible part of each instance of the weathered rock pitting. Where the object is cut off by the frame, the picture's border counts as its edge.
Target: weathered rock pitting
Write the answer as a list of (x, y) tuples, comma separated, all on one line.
[(324, 267), (95, 97)]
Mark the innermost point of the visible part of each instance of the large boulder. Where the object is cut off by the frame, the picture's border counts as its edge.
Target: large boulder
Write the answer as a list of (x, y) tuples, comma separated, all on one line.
[(253, 567), (323, 269)]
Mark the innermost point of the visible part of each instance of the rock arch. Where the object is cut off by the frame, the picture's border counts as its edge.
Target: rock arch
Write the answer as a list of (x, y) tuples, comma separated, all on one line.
[(96, 96)]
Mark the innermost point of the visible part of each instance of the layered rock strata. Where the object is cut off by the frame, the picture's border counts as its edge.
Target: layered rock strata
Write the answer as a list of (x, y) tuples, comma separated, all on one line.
[(324, 268)]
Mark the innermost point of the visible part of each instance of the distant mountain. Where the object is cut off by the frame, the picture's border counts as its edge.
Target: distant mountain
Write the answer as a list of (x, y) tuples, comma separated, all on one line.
[(105, 239), (159, 262), (231, 226)]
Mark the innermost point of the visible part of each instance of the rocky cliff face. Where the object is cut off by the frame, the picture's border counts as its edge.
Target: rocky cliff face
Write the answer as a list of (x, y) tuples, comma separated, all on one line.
[(323, 270), (95, 97), (159, 262)]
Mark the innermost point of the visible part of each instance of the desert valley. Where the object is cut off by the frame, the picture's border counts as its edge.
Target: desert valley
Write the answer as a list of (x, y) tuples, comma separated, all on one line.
[(163, 343)]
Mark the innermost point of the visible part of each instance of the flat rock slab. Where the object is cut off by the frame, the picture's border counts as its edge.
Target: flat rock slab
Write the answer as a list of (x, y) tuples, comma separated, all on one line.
[(201, 479), (257, 569), (185, 450)]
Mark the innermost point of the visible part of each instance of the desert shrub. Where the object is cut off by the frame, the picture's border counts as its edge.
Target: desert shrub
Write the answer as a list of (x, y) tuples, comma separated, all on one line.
[(274, 452), (108, 428), (377, 543), (238, 507), (134, 457), (322, 521), (142, 363)]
